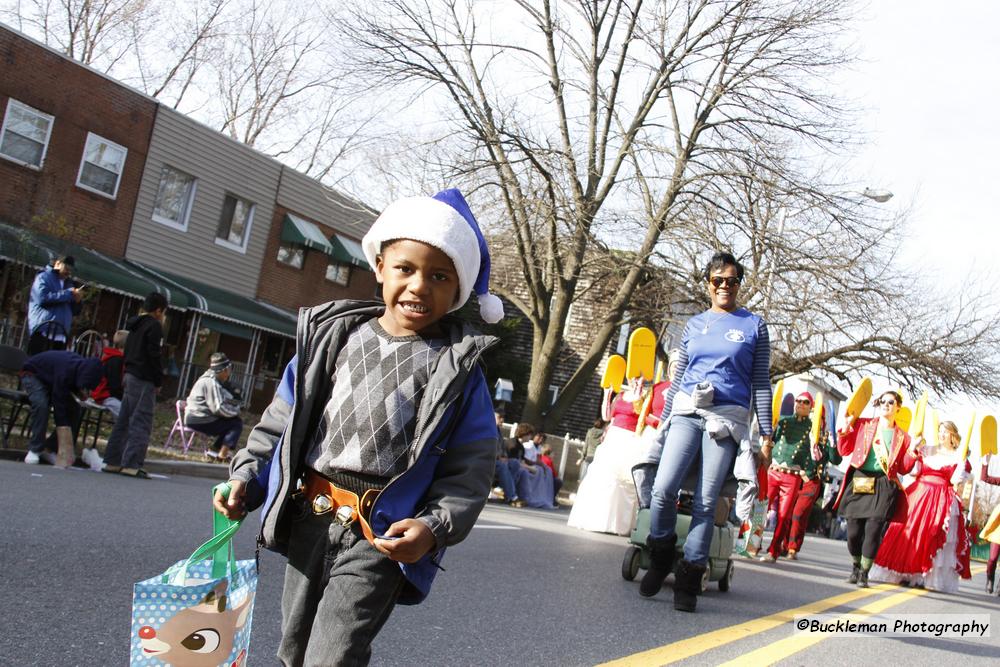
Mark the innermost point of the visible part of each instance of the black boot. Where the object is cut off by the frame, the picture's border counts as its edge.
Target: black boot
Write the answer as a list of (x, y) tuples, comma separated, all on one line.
[(687, 585), (989, 582), (863, 579), (661, 557), (855, 574)]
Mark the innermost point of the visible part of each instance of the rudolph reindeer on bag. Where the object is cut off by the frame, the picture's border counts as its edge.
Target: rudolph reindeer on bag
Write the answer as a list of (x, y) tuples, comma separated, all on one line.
[(199, 636)]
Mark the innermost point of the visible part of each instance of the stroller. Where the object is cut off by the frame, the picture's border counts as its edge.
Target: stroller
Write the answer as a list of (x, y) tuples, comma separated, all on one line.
[(720, 556)]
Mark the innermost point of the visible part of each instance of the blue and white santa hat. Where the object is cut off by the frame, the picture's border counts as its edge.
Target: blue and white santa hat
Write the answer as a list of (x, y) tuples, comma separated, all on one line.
[(445, 222)]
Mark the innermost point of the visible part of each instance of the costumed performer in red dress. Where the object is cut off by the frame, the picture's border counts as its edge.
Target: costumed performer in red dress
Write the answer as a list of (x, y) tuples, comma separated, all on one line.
[(879, 452), (927, 544)]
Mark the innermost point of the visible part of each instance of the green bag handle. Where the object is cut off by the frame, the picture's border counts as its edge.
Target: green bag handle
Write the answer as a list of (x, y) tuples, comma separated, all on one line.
[(219, 548)]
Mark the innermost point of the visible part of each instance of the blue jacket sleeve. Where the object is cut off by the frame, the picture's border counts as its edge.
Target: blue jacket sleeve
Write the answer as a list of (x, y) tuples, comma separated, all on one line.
[(761, 379), (463, 477)]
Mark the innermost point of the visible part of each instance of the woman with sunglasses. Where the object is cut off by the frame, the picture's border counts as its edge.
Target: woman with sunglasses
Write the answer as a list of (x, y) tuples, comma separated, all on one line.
[(880, 452), (722, 368), (928, 544)]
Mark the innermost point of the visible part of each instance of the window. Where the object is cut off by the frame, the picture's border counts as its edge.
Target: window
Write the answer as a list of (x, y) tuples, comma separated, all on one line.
[(292, 255), (338, 273), (25, 134), (174, 197), (102, 165), (234, 225)]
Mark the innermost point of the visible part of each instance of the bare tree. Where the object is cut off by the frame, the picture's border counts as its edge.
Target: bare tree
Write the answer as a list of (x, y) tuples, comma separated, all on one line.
[(608, 121), (95, 32)]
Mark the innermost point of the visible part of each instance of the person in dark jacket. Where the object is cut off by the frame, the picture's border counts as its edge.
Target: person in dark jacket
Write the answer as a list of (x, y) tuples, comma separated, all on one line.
[(53, 302), (129, 438), (50, 379), (383, 497), (109, 393)]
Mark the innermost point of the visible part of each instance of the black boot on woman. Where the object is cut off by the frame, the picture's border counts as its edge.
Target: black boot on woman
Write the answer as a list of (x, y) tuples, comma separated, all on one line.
[(989, 582), (661, 564), (855, 574), (687, 585)]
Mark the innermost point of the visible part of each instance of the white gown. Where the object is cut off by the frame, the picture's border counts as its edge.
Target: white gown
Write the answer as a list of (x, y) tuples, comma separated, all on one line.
[(606, 501)]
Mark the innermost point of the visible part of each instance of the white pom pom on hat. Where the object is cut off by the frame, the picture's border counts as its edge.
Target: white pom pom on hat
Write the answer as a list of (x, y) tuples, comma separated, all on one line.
[(445, 222)]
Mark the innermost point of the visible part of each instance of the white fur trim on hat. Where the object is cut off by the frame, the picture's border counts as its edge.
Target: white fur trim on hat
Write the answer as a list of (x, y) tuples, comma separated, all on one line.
[(435, 223)]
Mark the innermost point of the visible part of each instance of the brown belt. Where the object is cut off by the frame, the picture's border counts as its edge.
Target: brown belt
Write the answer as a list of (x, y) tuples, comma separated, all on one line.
[(325, 497)]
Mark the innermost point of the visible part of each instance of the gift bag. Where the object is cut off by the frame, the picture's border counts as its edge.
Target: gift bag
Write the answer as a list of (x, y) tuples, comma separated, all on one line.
[(198, 612)]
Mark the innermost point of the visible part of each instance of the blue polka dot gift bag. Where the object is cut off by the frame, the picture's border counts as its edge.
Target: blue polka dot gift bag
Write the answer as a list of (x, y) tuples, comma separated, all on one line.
[(198, 612)]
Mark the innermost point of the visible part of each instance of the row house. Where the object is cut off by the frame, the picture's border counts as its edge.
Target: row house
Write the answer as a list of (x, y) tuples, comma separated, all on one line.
[(148, 199)]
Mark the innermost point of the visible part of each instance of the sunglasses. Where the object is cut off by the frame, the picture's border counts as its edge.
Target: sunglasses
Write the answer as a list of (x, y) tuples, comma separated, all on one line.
[(802, 401), (886, 401), (728, 281)]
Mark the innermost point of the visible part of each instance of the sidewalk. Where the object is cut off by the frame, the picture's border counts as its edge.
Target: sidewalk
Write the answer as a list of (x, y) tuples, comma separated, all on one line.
[(155, 465)]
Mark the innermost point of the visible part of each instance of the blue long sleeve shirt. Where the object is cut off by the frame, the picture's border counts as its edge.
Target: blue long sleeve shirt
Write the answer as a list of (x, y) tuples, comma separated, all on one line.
[(733, 352)]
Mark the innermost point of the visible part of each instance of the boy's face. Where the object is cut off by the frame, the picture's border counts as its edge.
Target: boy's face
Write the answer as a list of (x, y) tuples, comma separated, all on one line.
[(419, 286)]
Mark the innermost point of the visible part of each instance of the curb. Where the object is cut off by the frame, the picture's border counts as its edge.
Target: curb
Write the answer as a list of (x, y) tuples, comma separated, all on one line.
[(159, 466)]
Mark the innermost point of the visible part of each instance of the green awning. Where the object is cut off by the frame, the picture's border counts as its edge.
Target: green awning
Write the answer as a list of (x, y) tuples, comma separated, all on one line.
[(26, 246), (229, 307), (304, 233), (348, 251)]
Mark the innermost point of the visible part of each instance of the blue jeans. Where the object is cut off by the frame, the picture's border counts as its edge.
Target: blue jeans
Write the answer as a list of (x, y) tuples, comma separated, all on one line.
[(226, 429), (38, 396), (688, 443), (505, 476)]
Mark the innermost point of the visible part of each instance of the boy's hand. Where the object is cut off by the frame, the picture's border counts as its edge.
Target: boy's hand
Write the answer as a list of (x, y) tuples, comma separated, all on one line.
[(233, 507), (414, 541)]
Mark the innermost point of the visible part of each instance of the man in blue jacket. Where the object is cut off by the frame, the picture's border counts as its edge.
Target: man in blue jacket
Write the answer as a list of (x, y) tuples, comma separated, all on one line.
[(53, 302), (51, 378)]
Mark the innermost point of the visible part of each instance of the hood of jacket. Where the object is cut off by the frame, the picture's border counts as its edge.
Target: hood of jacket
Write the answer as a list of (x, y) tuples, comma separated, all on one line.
[(110, 352)]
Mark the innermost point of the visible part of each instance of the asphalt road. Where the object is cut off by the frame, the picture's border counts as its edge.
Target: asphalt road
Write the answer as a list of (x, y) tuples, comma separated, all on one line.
[(522, 590)]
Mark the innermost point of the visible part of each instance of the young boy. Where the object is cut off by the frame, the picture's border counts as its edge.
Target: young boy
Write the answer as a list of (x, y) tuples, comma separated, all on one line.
[(385, 420), (129, 438)]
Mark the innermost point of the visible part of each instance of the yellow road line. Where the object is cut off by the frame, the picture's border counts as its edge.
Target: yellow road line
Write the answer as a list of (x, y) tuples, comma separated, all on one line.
[(781, 649), (685, 648)]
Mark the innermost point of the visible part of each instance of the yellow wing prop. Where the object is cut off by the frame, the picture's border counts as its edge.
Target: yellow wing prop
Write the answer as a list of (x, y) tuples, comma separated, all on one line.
[(614, 373), (919, 416), (968, 436), (779, 392), (817, 417), (860, 398), (903, 418), (641, 354), (935, 425), (988, 436)]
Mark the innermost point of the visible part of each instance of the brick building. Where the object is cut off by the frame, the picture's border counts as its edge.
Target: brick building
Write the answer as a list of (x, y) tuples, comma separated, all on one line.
[(64, 169)]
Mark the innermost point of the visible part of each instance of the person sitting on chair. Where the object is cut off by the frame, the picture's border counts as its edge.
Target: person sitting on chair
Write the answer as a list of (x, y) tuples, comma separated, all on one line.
[(213, 410), (109, 393)]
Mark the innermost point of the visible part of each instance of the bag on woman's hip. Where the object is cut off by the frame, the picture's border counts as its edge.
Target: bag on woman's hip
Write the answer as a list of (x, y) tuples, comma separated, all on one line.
[(864, 485)]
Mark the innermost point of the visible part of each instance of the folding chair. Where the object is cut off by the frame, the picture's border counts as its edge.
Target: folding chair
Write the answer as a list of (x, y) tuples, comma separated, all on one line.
[(185, 434), (11, 360)]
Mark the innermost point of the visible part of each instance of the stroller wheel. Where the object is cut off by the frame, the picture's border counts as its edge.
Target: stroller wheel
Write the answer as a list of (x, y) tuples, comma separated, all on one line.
[(727, 577), (630, 564)]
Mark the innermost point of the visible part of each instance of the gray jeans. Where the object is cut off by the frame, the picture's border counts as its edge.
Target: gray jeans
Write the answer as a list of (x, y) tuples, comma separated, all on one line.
[(129, 438), (339, 592)]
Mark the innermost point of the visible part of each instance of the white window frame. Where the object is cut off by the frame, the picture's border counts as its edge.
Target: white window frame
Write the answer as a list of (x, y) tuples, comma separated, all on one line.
[(553, 392), (344, 266), (11, 103), (182, 225), (226, 243), (290, 265), (83, 161)]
